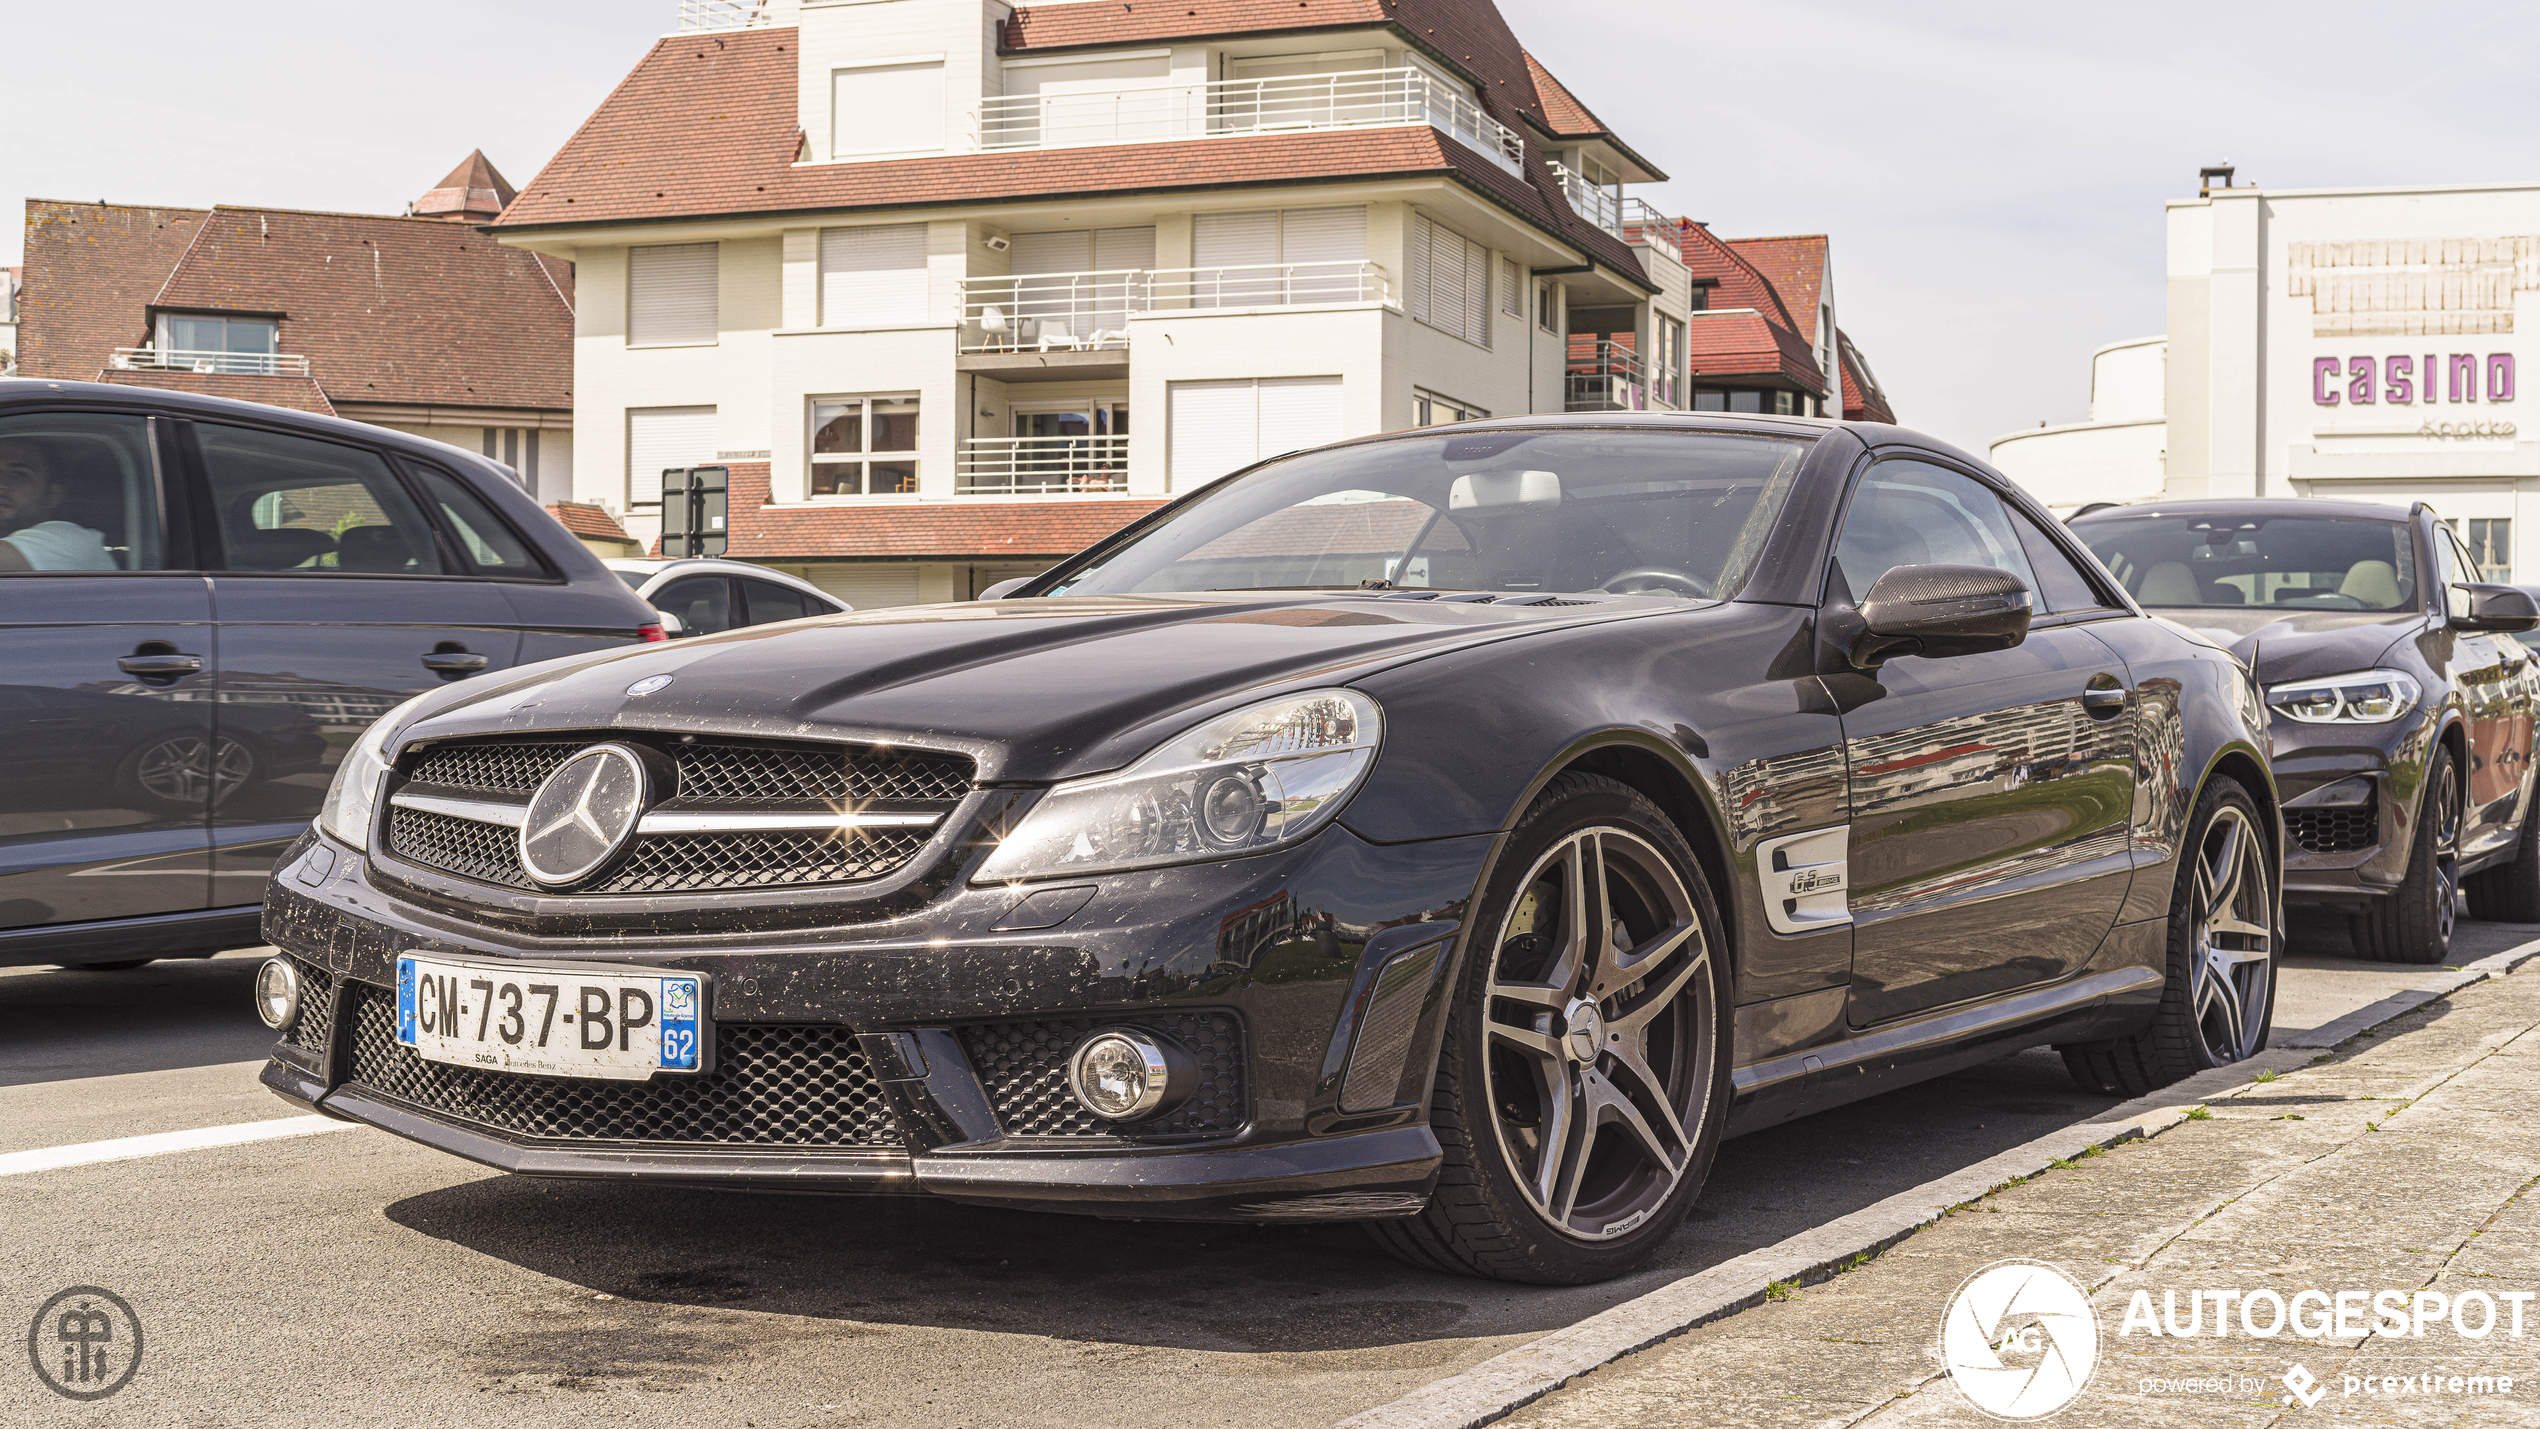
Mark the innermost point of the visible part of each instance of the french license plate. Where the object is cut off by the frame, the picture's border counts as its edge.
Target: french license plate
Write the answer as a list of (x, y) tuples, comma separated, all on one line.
[(560, 1022)]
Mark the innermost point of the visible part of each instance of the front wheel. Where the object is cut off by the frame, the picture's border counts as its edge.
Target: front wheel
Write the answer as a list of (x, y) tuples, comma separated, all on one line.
[(1584, 1079), (2412, 923), (2220, 998)]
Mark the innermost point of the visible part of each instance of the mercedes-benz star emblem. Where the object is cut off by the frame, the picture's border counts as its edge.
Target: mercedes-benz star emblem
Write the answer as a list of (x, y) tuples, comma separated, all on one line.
[(650, 683), (583, 814)]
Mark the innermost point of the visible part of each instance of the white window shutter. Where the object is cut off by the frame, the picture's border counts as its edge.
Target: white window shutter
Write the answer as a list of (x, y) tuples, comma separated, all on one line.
[(1121, 250), (658, 438), (1215, 429), (1511, 289), (886, 109), (867, 587), (1423, 270), (670, 294), (1476, 294), (1245, 241), (873, 275), (1052, 253), (1323, 235), (1298, 412)]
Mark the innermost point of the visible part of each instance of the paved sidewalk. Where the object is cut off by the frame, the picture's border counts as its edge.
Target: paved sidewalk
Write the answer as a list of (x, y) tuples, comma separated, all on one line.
[(2401, 1162)]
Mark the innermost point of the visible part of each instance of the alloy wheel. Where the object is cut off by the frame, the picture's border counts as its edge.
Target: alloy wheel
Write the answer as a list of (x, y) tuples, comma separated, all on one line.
[(1598, 1019), (2445, 799), (2234, 948), (186, 768)]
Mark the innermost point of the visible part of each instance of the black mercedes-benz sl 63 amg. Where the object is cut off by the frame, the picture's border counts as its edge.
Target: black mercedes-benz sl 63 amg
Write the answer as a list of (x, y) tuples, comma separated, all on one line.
[(1459, 831)]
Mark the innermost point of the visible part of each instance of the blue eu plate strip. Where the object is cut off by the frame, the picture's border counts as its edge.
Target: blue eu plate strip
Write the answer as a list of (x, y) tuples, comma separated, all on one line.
[(406, 1001), (679, 1009)]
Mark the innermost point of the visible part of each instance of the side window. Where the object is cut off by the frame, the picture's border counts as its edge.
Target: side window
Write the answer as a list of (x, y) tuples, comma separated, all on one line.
[(702, 603), (77, 493), (769, 601), (286, 503), (484, 540), (2060, 584), (1911, 513), (2455, 566)]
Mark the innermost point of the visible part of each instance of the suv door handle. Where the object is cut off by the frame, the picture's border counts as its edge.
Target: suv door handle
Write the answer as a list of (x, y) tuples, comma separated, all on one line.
[(160, 666), (458, 662), (2103, 703)]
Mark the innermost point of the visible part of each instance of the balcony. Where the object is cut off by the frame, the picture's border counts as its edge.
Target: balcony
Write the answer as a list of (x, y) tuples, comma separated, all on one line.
[(176, 359), (1605, 377), (1645, 225), (1600, 206), (1182, 109), (702, 15), (1064, 325), (1042, 466)]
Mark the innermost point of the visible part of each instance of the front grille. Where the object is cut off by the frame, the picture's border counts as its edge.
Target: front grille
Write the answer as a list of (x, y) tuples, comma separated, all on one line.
[(1024, 1067), (772, 1086), (2333, 830), (716, 775), (317, 1007)]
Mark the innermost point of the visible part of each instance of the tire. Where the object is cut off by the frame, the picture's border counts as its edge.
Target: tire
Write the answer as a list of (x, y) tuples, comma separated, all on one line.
[(1560, 1170), (2510, 892), (2412, 923), (2219, 1001)]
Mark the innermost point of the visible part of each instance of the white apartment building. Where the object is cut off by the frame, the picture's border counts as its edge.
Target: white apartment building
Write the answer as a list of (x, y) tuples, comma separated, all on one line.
[(954, 288), (2115, 456), (2358, 343)]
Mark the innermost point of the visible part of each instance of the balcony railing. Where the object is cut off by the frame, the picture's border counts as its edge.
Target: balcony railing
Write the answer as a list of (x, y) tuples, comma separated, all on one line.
[(1599, 206), (178, 359), (697, 15), (1606, 377), (1643, 224), (1042, 466), (1184, 109), (1080, 312)]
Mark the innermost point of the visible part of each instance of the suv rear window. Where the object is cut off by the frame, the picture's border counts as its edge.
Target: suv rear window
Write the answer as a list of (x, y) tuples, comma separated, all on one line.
[(2282, 562)]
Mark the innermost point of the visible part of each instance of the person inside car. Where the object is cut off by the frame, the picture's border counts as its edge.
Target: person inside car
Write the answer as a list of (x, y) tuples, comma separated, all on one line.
[(31, 499)]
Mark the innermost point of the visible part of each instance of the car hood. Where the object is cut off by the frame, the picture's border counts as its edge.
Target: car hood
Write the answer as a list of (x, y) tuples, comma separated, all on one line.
[(1033, 690), (2299, 645)]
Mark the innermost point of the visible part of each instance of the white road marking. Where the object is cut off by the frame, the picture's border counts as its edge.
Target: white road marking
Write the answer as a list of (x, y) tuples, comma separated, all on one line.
[(128, 1148)]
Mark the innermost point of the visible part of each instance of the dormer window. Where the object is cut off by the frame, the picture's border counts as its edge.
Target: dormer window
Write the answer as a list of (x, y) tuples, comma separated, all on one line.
[(228, 344), (887, 108)]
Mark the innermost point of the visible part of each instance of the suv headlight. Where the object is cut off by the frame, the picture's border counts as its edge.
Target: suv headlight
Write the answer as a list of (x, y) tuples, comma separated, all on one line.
[(1266, 775), (2365, 697), (345, 815)]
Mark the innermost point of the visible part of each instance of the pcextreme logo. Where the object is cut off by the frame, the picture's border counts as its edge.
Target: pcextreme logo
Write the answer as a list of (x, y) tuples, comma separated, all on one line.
[(2020, 1339)]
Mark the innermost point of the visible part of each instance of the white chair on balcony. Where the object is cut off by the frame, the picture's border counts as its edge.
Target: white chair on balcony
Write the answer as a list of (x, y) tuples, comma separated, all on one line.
[(1054, 333), (994, 331)]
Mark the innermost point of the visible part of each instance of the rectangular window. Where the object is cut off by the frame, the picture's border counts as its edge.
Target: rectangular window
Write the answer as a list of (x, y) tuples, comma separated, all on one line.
[(1781, 404), (1217, 427), (78, 492), (886, 109), (873, 275), (1512, 289), (1545, 317), (1710, 401), (2491, 548), (864, 446), (670, 295), (658, 438), (1428, 409), (224, 344), (1273, 257), (1450, 281), (1667, 372), (287, 503)]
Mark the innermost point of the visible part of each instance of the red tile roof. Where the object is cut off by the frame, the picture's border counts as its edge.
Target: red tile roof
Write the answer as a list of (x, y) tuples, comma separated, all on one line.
[(300, 394), (1862, 399), (702, 129), (1796, 267), (583, 519), (963, 531), (1565, 116), (474, 190), (91, 271), (1731, 345)]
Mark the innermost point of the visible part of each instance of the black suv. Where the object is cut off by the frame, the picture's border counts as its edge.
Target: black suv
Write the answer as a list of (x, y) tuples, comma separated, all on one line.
[(203, 603)]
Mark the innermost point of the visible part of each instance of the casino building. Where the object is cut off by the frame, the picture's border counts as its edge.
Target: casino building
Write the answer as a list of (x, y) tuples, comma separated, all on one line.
[(2361, 343)]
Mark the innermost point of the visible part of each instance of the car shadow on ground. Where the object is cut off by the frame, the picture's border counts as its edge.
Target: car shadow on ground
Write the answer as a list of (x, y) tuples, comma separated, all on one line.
[(57, 1024)]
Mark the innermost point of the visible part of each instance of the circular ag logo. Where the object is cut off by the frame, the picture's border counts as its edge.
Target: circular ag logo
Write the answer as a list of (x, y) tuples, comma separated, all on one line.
[(2020, 1339), (85, 1343)]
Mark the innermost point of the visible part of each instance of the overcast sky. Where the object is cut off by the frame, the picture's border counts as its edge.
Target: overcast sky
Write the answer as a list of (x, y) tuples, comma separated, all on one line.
[(1992, 175)]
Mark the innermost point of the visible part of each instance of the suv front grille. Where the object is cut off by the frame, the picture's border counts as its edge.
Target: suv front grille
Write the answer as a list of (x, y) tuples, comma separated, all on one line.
[(772, 1086), (717, 777), (2333, 830), (1024, 1067)]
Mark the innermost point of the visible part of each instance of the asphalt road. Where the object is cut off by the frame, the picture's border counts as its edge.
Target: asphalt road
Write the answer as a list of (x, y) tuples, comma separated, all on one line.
[(350, 1277)]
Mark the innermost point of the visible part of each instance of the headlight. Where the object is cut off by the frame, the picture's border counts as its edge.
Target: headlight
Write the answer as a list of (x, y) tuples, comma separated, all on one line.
[(346, 813), (2365, 697), (1266, 775)]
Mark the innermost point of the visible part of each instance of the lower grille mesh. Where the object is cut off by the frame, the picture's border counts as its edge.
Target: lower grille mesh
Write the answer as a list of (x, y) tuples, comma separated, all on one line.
[(1024, 1067), (2333, 830), (772, 1086), (317, 1007)]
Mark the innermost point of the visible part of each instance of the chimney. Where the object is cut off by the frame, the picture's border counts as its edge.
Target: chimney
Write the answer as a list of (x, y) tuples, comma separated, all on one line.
[(2205, 177), (471, 193)]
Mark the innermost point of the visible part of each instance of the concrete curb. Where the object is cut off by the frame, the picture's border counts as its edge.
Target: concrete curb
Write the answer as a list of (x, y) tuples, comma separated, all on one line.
[(1508, 1381)]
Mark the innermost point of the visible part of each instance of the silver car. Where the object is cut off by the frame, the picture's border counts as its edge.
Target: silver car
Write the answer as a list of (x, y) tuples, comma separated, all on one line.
[(701, 596)]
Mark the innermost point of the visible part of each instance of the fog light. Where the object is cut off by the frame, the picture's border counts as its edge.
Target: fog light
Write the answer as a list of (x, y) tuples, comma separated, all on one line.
[(277, 993), (1122, 1074)]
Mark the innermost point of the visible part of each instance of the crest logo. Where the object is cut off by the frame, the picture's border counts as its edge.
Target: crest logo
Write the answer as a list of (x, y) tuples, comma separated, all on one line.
[(583, 814), (2020, 1339)]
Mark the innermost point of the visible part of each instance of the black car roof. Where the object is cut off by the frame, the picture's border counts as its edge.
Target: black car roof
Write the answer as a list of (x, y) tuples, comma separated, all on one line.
[(2325, 507), (16, 390)]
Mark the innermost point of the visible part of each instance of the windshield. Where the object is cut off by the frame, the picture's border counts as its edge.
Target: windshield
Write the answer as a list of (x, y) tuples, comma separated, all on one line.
[(634, 580), (2283, 562), (1644, 512)]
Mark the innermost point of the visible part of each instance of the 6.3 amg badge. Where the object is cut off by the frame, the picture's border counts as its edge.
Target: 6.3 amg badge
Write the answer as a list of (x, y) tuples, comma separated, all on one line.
[(583, 814)]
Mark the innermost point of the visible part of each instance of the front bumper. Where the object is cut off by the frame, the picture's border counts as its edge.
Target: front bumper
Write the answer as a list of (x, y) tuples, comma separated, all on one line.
[(914, 1056), (2348, 859)]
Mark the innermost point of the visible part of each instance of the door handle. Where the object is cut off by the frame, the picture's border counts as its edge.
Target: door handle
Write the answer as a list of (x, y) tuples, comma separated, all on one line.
[(2102, 703), (457, 662), (160, 666)]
